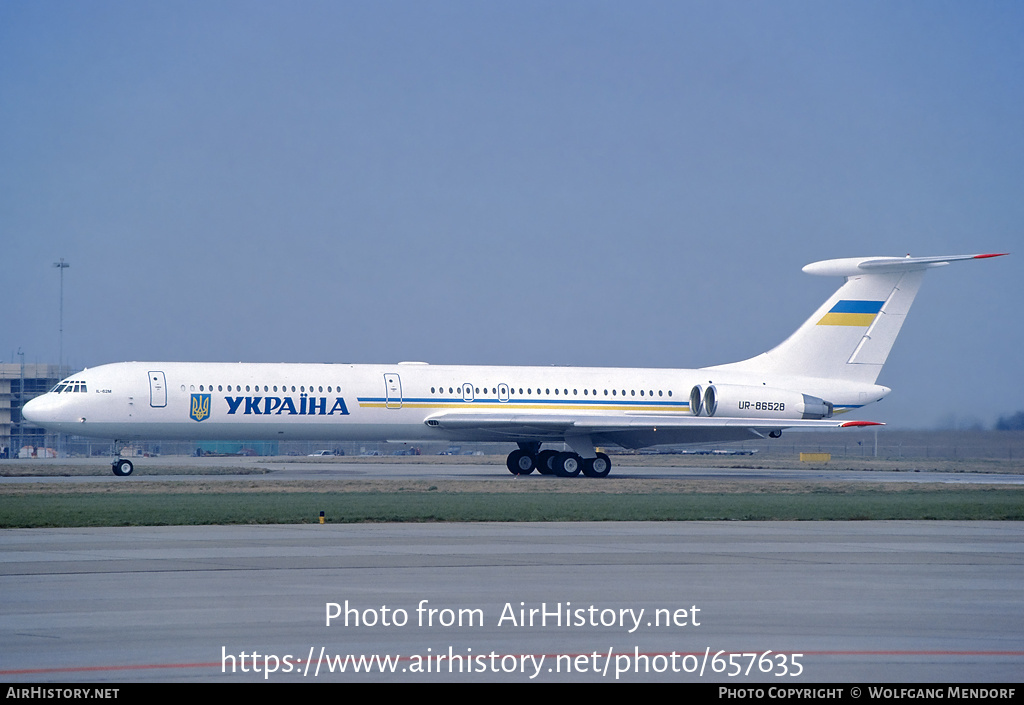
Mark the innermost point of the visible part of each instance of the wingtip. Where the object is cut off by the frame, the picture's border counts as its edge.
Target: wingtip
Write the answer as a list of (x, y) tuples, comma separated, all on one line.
[(851, 424), (994, 254)]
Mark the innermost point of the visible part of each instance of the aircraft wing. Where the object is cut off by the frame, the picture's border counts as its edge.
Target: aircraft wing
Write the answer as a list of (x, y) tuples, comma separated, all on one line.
[(631, 431)]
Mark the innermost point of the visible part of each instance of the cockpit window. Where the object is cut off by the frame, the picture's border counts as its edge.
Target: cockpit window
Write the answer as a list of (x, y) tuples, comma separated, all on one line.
[(69, 387)]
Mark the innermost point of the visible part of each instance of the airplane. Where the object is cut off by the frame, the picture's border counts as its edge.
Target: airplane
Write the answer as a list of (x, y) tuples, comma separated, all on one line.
[(825, 369)]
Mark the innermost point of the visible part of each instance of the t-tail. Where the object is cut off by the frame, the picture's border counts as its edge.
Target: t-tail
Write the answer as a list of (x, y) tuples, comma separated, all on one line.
[(849, 337)]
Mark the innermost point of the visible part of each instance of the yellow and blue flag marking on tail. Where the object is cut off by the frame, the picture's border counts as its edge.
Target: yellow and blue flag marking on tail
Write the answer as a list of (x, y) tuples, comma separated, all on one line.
[(849, 312)]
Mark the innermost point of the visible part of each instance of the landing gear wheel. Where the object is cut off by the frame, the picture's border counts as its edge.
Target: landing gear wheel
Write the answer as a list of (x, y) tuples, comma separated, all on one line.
[(545, 462), (122, 467), (597, 467), (520, 462), (567, 464)]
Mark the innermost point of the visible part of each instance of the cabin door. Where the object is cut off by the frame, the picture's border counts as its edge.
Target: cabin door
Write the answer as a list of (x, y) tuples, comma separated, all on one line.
[(157, 390), (392, 391)]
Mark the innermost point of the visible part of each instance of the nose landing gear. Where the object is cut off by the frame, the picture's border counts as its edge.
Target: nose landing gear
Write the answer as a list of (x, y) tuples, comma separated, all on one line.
[(122, 467)]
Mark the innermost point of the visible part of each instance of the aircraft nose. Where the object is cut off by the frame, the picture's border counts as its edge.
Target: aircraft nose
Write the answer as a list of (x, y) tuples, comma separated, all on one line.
[(38, 411)]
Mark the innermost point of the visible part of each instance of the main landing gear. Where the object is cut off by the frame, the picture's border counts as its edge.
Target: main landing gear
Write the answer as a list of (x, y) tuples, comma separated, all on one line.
[(551, 462)]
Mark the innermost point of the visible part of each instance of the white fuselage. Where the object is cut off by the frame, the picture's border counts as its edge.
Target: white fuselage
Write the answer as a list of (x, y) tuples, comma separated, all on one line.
[(266, 401)]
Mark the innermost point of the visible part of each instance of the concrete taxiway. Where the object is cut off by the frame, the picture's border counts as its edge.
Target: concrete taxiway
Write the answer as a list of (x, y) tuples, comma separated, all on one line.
[(853, 602)]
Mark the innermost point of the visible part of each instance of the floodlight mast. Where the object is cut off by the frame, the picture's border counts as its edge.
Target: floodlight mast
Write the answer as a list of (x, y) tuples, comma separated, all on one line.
[(62, 265)]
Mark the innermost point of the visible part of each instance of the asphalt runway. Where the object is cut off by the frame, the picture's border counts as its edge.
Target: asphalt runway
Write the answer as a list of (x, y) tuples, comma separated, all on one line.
[(852, 602)]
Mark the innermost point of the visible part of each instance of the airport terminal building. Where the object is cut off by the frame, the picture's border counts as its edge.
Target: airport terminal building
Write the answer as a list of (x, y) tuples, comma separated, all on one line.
[(18, 384)]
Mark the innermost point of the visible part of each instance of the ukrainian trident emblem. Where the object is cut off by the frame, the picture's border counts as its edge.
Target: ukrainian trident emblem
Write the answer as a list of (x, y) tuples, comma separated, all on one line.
[(200, 407)]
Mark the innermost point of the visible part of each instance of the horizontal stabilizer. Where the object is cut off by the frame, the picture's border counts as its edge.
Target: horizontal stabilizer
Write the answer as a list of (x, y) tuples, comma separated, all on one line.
[(852, 266)]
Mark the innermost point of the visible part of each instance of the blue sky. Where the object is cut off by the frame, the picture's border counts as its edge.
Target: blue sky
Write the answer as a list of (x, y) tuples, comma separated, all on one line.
[(573, 183)]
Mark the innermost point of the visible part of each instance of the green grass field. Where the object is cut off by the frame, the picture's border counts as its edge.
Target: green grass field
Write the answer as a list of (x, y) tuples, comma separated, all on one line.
[(372, 497), (429, 505)]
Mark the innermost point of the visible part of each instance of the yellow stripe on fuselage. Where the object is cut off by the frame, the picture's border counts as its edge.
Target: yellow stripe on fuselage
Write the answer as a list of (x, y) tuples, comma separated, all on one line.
[(505, 406)]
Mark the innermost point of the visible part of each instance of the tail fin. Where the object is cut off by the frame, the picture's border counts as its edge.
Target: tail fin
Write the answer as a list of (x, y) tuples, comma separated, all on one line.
[(849, 337)]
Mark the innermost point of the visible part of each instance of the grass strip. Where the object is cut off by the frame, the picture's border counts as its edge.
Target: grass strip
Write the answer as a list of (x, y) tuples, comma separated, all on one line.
[(176, 509)]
